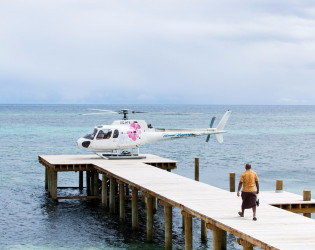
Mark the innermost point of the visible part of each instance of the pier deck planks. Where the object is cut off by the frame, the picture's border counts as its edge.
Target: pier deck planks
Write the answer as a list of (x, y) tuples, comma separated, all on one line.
[(275, 228)]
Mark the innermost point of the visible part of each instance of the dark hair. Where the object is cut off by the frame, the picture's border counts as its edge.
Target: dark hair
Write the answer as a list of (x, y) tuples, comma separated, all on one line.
[(248, 166)]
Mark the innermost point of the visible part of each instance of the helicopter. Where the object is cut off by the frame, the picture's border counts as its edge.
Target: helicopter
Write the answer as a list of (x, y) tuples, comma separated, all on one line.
[(118, 140)]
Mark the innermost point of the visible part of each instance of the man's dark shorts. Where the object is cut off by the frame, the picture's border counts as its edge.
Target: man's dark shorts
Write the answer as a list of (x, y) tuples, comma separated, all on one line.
[(249, 200)]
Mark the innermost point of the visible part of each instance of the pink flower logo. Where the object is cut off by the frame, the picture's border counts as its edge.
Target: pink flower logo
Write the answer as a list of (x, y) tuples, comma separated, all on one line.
[(134, 131)]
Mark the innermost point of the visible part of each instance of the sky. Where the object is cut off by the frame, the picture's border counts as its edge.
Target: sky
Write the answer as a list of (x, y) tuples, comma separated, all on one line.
[(246, 52)]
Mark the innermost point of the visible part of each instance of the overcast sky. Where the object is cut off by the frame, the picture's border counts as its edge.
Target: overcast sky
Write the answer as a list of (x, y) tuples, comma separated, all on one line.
[(134, 52)]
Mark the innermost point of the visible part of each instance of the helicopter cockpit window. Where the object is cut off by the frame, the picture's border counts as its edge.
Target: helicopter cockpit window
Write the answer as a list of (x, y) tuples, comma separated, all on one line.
[(91, 134), (116, 133), (104, 134)]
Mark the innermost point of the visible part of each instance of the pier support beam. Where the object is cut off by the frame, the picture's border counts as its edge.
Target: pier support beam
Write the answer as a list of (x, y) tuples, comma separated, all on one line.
[(48, 181), (134, 208), (307, 197), (143, 199), (232, 182), (46, 178), (155, 204), (88, 182), (246, 245), (112, 189), (80, 180), (121, 201), (188, 230), (202, 223), (104, 191), (149, 208), (92, 183), (203, 231), (218, 237), (279, 186), (95, 184), (53, 185), (196, 169), (168, 216)]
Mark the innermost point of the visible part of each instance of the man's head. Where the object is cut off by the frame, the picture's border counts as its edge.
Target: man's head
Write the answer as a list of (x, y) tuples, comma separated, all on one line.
[(248, 166)]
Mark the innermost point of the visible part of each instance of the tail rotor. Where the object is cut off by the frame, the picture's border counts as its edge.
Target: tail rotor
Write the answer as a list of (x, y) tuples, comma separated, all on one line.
[(211, 124)]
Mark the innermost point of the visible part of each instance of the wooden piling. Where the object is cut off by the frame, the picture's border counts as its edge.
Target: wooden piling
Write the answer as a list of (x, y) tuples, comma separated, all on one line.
[(168, 217), (80, 180), (246, 245), (202, 223), (121, 201), (218, 238), (92, 183), (203, 231), (232, 182), (155, 204), (104, 191), (134, 208), (279, 186), (307, 197), (88, 182), (188, 230), (49, 181), (95, 184), (127, 189), (149, 208), (53, 191), (196, 169), (143, 200), (112, 188), (46, 178)]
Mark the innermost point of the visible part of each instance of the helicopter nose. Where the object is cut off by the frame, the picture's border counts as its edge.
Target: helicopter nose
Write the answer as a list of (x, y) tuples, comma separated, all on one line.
[(83, 143)]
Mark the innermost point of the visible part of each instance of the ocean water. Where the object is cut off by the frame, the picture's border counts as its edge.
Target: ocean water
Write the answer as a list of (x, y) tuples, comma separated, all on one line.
[(278, 141)]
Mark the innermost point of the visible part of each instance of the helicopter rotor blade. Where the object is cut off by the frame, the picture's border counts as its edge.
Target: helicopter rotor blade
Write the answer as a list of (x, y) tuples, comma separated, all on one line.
[(100, 113), (104, 110), (211, 124)]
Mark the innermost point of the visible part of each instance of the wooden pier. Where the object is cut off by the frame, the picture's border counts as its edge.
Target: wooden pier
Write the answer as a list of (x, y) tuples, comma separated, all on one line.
[(217, 209)]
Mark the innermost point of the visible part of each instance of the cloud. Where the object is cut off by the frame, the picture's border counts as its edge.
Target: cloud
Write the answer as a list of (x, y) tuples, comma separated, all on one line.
[(157, 52)]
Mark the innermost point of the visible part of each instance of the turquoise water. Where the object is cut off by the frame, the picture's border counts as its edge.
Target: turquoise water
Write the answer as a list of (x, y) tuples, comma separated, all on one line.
[(279, 141)]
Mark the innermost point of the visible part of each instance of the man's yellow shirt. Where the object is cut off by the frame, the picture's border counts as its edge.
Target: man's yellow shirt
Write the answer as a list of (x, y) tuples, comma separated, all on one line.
[(248, 178)]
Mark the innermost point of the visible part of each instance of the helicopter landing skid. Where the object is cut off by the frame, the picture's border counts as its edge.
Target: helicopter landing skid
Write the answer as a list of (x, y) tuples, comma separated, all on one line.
[(122, 156)]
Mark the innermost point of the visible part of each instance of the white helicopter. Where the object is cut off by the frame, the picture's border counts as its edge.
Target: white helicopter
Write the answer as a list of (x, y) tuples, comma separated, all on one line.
[(114, 141)]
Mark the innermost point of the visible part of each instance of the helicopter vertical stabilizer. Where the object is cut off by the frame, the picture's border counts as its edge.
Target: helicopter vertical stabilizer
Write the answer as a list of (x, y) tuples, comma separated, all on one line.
[(221, 126), (223, 121)]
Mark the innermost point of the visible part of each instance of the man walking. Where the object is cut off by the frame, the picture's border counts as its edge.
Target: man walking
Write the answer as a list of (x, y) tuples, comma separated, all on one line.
[(248, 180)]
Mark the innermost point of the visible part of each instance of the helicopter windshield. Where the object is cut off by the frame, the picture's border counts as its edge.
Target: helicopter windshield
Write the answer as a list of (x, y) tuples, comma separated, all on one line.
[(91, 134)]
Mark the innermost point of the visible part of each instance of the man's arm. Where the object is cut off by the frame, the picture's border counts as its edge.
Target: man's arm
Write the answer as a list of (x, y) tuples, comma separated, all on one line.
[(257, 185), (239, 188)]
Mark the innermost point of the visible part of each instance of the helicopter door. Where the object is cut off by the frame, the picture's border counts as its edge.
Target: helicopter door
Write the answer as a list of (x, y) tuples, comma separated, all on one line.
[(103, 140)]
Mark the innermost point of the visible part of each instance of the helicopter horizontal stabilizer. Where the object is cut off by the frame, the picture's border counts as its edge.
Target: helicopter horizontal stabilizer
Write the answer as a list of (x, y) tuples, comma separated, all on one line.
[(219, 137)]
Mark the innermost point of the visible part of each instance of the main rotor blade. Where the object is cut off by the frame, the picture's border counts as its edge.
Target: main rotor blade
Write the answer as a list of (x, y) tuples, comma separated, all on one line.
[(100, 113), (104, 110)]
